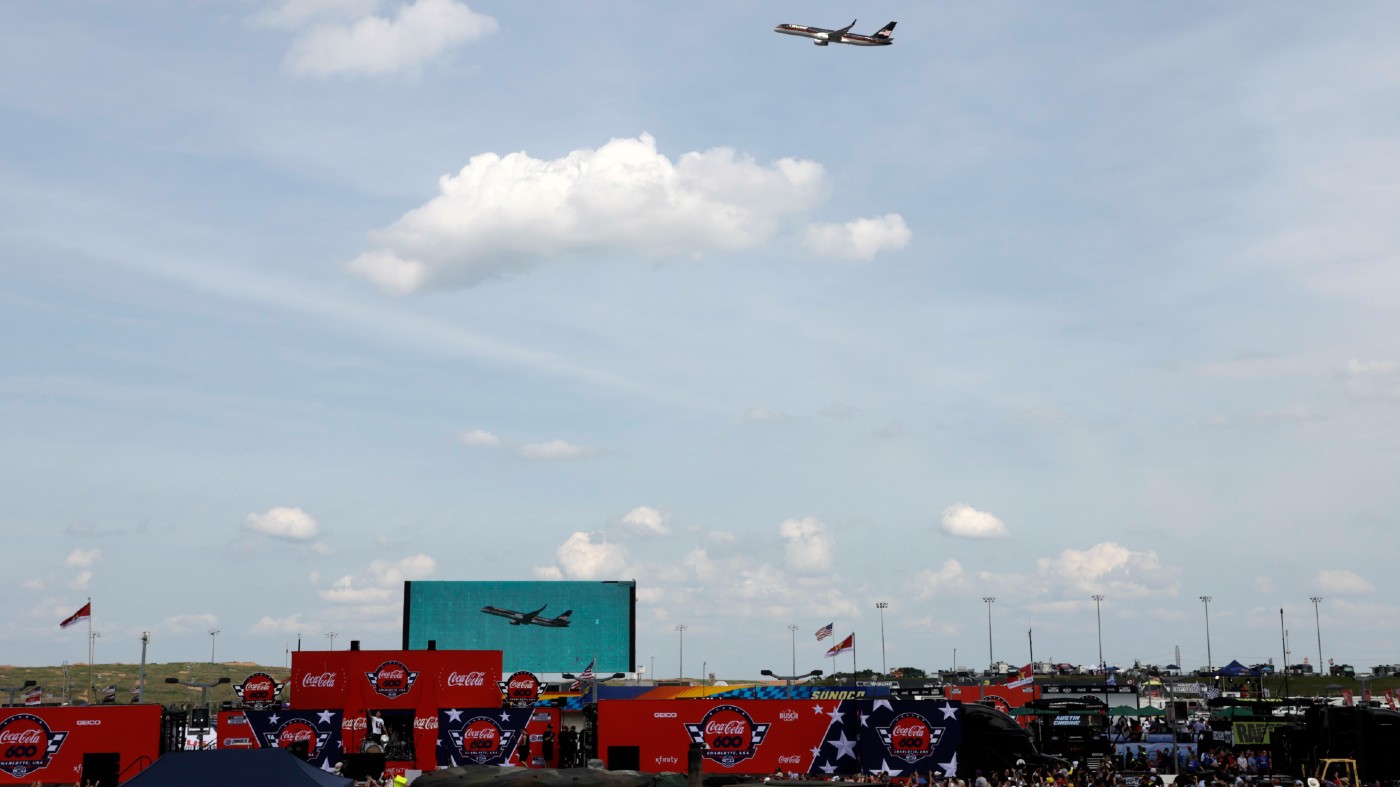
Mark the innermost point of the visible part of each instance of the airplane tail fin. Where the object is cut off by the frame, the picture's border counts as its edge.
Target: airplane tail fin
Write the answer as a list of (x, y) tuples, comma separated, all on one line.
[(885, 32), (566, 614)]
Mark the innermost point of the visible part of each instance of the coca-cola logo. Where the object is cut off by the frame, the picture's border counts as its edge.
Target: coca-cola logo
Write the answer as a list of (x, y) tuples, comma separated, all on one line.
[(479, 739), (297, 731), (392, 679), (789, 759), (460, 679), (430, 723), (910, 737), (27, 744), (261, 691), (325, 680), (353, 723), (729, 734), (521, 689)]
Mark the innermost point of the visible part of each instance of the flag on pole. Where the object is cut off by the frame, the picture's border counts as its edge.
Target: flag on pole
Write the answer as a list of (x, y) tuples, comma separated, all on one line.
[(77, 617), (109, 694), (849, 643), (583, 678), (34, 695), (1024, 676), (826, 631)]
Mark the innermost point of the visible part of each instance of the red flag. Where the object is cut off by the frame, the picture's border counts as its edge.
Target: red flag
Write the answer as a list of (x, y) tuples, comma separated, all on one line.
[(1347, 698), (849, 643), (34, 696), (80, 615), (1022, 677)]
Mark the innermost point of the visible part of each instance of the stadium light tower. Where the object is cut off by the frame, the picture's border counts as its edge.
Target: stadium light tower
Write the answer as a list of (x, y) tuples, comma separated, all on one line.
[(1210, 664), (991, 658), (792, 629), (331, 635), (213, 639), (882, 606), (680, 631), (1098, 599), (1318, 620)]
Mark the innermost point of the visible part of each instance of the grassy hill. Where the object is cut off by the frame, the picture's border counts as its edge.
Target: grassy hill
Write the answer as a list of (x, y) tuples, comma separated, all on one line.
[(125, 676)]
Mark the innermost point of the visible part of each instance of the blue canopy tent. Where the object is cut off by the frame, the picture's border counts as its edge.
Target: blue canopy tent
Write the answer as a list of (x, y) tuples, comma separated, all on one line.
[(234, 768), (1236, 670)]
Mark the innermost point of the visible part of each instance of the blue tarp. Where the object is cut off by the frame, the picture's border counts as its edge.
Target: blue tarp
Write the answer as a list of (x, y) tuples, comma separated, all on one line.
[(1236, 670), (234, 768)]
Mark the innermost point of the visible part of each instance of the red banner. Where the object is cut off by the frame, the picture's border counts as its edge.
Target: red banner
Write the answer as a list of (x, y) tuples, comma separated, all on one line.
[(47, 744), (395, 678)]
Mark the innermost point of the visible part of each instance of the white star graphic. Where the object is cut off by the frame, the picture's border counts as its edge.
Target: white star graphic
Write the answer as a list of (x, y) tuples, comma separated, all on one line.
[(829, 768), (816, 751), (886, 703), (273, 719), (835, 714), (326, 766), (817, 709), (864, 717), (505, 715), (950, 768), (844, 747), (950, 711), (453, 714), (886, 769), (325, 716)]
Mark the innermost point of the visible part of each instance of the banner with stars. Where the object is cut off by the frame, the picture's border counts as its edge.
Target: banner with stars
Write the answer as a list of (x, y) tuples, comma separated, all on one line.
[(319, 730), (484, 736), (902, 737)]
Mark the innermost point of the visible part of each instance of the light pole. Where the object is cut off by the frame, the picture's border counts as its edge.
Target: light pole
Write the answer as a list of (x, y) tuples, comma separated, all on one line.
[(680, 670), (882, 606), (1318, 620), (213, 639), (991, 659), (792, 629), (1098, 599), (816, 673), (331, 635), (1210, 664)]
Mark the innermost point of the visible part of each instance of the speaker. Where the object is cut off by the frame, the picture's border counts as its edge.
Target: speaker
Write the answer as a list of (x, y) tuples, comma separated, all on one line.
[(362, 766), (624, 758), (101, 768)]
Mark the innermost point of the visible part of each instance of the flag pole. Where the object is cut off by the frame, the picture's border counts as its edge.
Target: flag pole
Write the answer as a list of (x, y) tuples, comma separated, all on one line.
[(89, 620), (853, 658)]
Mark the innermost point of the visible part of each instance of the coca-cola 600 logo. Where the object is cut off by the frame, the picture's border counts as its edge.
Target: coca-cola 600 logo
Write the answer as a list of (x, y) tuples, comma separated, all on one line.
[(521, 688), (729, 734), (481, 740), (259, 691), (27, 744), (910, 737), (294, 731), (392, 679)]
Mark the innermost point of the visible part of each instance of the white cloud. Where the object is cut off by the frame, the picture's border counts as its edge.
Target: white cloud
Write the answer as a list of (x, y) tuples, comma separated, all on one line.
[(505, 214), (859, 239), (1108, 568), (81, 581), (930, 581), (298, 13), (346, 590), (964, 521), (809, 545), (766, 415), (700, 564), (1371, 379), (1343, 581), (396, 572), (580, 557), (288, 524), (292, 624), (647, 521), (422, 32), (554, 449), (83, 558), (181, 623), (479, 439)]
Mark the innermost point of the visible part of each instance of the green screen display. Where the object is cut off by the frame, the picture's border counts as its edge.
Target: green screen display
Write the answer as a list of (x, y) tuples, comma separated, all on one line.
[(538, 626)]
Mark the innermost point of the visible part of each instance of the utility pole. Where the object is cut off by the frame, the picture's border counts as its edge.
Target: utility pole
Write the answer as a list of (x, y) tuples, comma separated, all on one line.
[(991, 657), (884, 668), (792, 629), (1098, 599), (141, 687), (1210, 664), (1318, 620)]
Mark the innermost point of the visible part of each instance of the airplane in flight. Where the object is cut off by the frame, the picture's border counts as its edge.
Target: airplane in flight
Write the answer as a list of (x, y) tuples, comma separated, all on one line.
[(822, 36), (528, 618)]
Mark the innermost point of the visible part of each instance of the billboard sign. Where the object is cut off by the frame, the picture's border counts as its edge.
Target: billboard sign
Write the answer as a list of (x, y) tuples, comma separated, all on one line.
[(538, 626), (48, 744)]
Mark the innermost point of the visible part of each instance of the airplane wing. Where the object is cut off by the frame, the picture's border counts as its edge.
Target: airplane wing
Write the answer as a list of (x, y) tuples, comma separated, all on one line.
[(529, 617)]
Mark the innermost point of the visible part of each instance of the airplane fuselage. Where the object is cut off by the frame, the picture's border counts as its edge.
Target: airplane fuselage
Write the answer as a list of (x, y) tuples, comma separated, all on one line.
[(822, 36)]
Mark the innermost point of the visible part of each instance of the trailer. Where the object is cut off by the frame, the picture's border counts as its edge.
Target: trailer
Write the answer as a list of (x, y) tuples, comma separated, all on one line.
[(54, 744)]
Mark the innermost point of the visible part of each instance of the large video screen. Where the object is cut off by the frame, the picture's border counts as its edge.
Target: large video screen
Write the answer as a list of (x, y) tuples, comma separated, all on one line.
[(538, 626)]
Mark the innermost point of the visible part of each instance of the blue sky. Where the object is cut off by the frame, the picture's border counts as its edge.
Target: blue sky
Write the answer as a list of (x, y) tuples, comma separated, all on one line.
[(305, 298)]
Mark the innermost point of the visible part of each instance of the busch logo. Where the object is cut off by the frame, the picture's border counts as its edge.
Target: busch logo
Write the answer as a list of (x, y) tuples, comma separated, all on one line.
[(520, 689), (468, 679), (392, 679), (729, 734), (27, 744), (910, 737), (326, 680), (788, 715), (261, 691), (480, 739)]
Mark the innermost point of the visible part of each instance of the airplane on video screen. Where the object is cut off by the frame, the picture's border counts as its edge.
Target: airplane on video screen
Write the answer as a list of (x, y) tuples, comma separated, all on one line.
[(527, 618), (882, 37)]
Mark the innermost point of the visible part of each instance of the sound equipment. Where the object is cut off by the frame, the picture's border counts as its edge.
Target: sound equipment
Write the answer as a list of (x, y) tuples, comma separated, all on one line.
[(101, 768), (362, 766)]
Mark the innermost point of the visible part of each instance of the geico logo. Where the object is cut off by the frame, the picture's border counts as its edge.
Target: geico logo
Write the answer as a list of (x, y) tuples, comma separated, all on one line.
[(89, 722), (660, 715)]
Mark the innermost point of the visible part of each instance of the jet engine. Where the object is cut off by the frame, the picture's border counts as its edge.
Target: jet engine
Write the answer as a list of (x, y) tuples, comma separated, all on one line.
[(821, 42)]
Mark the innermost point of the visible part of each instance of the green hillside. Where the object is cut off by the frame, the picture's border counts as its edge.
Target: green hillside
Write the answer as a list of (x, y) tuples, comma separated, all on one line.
[(126, 676)]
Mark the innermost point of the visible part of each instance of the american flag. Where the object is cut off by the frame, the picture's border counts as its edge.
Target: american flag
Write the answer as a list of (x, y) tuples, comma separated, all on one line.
[(826, 631), (583, 678)]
